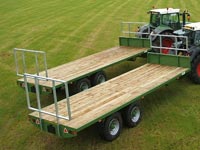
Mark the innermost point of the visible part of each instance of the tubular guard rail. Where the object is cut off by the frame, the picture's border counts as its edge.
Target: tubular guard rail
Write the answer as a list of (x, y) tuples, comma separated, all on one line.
[(131, 29), (39, 107), (174, 48), (23, 52)]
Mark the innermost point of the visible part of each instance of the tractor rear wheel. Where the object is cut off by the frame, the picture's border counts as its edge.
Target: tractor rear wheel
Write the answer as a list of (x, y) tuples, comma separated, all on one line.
[(167, 43), (195, 70)]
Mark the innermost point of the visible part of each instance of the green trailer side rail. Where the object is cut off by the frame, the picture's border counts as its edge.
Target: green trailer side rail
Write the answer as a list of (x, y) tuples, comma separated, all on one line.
[(153, 58), (134, 42), (169, 60), (131, 35)]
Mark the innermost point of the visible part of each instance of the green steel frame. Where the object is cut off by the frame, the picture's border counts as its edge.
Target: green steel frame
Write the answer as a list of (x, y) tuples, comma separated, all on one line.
[(169, 60), (134, 42)]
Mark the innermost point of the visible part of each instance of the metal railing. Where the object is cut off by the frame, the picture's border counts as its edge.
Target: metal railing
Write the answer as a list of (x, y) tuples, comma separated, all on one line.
[(174, 48), (39, 108), (24, 69), (131, 29)]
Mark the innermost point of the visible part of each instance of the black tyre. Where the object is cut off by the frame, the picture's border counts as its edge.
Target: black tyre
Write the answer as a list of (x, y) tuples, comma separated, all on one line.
[(195, 70), (111, 127), (82, 85), (98, 78), (143, 32), (132, 115)]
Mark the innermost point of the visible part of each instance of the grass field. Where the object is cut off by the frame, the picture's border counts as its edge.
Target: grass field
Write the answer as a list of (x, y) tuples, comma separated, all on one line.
[(68, 30)]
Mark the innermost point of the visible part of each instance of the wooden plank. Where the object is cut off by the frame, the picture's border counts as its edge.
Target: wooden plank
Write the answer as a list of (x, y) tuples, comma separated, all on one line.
[(102, 99), (89, 64)]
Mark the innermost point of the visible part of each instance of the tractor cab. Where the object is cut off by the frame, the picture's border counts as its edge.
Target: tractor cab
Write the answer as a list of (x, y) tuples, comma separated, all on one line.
[(163, 21), (192, 31), (166, 17)]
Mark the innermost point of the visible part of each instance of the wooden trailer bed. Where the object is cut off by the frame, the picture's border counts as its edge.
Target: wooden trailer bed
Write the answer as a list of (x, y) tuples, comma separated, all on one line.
[(100, 101), (86, 66)]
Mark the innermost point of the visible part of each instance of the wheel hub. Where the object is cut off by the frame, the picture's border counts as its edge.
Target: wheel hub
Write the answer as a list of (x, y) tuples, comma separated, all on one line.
[(84, 86), (114, 127), (198, 69), (101, 79), (166, 42), (135, 114)]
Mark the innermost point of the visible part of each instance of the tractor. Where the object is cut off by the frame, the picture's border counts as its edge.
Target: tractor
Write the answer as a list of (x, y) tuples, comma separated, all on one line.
[(192, 31), (189, 40), (163, 21)]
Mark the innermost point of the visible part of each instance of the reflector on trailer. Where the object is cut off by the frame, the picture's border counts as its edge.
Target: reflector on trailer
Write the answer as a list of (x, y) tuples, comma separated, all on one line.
[(65, 130), (37, 121)]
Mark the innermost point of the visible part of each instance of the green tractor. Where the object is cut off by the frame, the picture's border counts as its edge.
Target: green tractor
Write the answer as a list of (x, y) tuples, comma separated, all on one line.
[(163, 21)]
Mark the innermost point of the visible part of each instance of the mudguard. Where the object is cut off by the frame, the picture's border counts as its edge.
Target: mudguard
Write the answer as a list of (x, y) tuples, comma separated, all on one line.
[(161, 30), (143, 29)]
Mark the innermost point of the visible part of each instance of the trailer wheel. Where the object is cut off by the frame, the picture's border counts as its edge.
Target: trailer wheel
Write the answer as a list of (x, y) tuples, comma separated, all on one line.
[(82, 85), (195, 70), (98, 78), (132, 115), (111, 128)]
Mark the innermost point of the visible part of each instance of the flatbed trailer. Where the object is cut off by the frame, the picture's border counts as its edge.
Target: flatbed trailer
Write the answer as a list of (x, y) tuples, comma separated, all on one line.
[(73, 114), (88, 66)]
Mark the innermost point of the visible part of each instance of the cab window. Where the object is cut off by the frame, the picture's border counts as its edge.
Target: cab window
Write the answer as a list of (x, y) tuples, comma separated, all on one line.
[(197, 38), (155, 19), (191, 35), (168, 19)]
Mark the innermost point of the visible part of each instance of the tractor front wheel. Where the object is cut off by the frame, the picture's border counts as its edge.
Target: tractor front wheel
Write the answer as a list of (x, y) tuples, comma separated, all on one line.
[(195, 70)]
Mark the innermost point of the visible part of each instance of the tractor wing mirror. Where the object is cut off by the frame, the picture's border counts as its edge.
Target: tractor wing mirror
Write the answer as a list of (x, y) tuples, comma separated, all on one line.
[(188, 17)]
